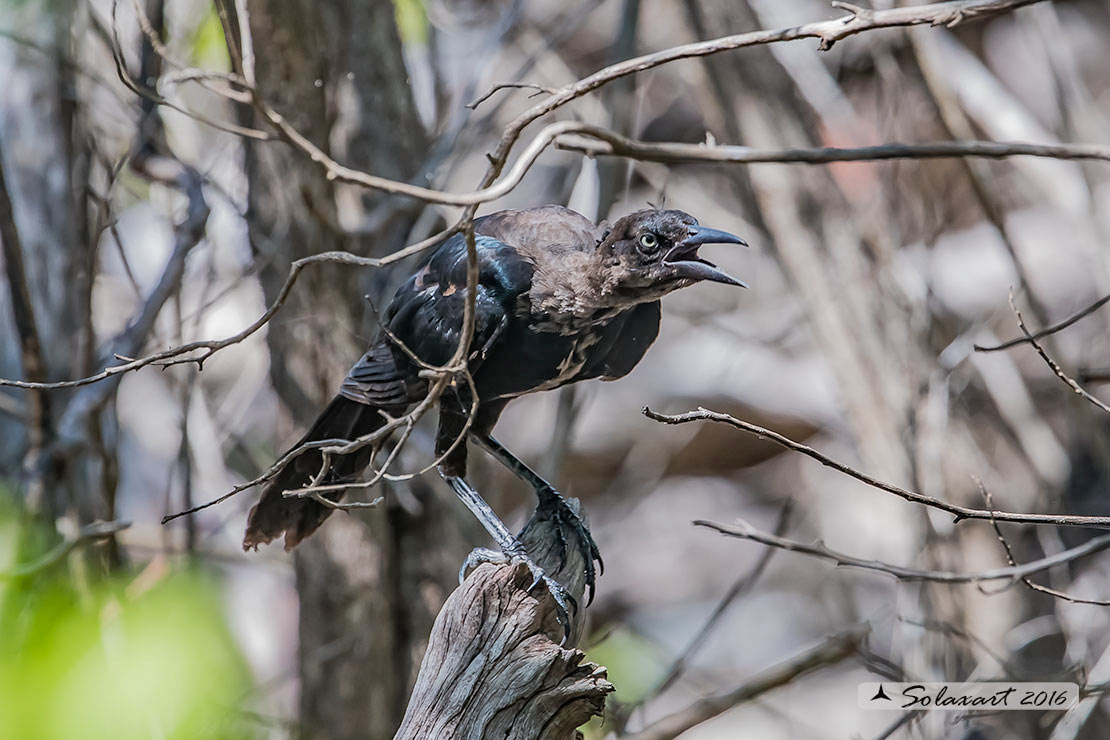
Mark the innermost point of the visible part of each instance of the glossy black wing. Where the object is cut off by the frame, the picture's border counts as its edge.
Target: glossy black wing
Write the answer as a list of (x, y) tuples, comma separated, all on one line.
[(376, 380), (426, 314)]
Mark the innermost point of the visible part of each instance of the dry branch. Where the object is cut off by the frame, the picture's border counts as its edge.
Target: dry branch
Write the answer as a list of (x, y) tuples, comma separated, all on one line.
[(820, 550), (494, 667), (833, 650), (90, 532), (605, 143), (73, 424), (1029, 583), (959, 512), (1059, 371), (1048, 331), (858, 20)]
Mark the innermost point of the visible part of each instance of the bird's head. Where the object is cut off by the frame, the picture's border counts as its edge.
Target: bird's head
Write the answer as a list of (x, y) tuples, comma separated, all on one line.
[(652, 252)]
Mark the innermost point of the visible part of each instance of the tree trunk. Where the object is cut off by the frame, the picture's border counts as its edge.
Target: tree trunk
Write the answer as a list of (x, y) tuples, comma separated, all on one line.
[(370, 583)]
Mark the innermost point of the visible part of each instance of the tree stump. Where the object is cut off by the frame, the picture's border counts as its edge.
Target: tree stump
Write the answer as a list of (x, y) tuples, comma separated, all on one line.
[(494, 667)]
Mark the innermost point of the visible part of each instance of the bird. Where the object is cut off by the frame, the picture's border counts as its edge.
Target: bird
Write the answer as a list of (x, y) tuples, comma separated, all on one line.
[(559, 299)]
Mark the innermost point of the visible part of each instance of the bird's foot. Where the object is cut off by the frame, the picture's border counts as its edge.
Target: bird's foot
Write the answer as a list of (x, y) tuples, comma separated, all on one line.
[(515, 553), (554, 507)]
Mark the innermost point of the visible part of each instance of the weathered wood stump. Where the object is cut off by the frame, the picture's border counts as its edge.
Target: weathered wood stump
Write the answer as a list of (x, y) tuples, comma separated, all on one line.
[(494, 667)]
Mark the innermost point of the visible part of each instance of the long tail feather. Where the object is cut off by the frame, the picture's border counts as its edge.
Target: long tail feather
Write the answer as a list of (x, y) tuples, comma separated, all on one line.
[(296, 518)]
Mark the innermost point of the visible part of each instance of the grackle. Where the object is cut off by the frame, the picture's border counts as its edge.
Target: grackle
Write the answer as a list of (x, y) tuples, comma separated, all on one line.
[(559, 299)]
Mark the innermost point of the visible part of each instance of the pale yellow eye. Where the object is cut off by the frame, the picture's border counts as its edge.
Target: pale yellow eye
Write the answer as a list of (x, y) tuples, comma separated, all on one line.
[(649, 243)]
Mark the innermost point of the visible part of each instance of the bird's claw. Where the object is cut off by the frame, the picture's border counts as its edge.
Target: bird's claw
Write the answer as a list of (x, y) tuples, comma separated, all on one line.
[(516, 553), (560, 510)]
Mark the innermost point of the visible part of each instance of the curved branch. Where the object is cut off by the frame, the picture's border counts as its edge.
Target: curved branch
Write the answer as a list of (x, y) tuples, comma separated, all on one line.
[(1059, 371), (174, 355), (857, 21), (820, 550), (491, 188), (97, 530), (1049, 331), (611, 144), (959, 512), (833, 650)]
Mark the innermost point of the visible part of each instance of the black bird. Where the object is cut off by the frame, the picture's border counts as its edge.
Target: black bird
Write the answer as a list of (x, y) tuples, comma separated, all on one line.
[(559, 300)]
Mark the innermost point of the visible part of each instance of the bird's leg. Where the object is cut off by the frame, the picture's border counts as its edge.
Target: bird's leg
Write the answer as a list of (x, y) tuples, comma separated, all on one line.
[(511, 549), (554, 504)]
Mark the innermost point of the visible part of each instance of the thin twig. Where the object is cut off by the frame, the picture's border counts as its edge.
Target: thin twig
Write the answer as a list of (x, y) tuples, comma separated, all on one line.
[(603, 142), (830, 31), (246, 41), (152, 95), (1068, 380), (818, 549), (73, 425), (742, 584), (1082, 313), (211, 346), (93, 531), (858, 20), (509, 86), (487, 192), (959, 512), (1029, 583), (831, 651)]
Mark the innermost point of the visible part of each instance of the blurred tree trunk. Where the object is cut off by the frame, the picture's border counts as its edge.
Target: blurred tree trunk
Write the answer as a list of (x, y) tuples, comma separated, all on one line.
[(370, 584), (45, 157)]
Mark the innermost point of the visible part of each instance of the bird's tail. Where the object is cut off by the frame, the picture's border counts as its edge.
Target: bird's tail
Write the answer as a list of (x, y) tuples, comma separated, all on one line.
[(297, 518)]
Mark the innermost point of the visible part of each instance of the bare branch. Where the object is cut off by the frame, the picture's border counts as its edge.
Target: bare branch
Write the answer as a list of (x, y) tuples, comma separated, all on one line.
[(858, 20), (484, 194), (1080, 314), (92, 531), (609, 143), (959, 512), (184, 73), (246, 41), (818, 549), (1026, 579), (72, 425), (152, 95), (948, 13), (742, 584), (833, 650), (211, 346), (1068, 380), (509, 86)]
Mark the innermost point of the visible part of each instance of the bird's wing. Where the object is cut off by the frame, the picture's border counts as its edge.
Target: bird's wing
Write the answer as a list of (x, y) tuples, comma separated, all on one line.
[(631, 340), (426, 314), (375, 380)]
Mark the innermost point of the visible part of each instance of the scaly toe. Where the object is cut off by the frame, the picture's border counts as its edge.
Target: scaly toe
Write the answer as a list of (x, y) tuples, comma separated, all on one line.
[(480, 555)]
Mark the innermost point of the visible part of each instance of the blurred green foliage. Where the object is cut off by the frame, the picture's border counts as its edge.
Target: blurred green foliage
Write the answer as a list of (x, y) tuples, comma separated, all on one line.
[(412, 21), (209, 47), (124, 658), (634, 664)]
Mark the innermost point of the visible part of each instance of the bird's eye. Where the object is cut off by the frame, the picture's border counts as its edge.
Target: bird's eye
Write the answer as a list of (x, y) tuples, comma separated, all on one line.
[(649, 243)]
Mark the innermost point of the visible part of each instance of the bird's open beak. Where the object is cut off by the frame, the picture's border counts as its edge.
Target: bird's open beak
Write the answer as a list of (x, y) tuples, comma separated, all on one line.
[(684, 259)]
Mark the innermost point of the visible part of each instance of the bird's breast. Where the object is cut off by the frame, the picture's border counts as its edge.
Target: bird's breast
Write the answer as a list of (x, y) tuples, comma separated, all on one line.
[(527, 361)]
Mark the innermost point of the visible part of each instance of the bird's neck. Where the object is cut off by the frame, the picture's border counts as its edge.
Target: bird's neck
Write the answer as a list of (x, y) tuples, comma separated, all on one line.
[(576, 290)]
